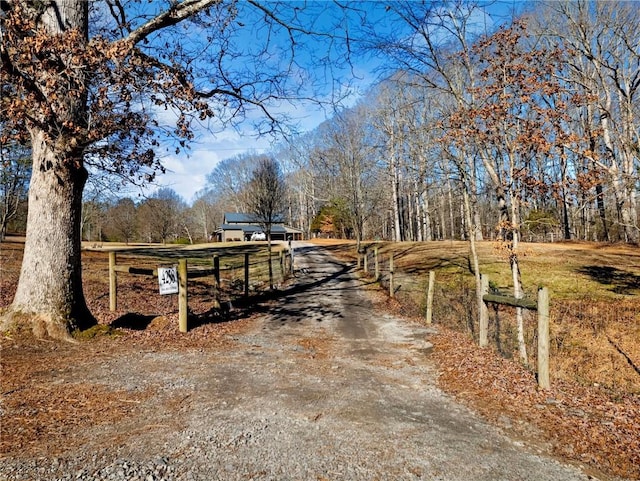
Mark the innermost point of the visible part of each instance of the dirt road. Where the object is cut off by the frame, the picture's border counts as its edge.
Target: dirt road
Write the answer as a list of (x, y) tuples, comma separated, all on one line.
[(322, 387)]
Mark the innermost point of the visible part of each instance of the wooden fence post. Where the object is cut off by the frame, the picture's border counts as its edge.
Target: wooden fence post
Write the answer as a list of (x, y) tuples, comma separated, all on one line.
[(377, 263), (432, 281), (246, 274), (483, 320), (216, 282), (282, 268), (182, 294), (216, 269), (391, 288), (365, 264), (543, 338), (113, 285), (292, 266)]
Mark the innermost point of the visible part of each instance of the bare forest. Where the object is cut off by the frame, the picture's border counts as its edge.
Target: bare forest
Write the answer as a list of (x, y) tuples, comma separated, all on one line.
[(532, 128)]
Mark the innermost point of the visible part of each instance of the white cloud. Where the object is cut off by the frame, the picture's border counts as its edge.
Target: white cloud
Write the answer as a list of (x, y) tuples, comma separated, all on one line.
[(186, 172)]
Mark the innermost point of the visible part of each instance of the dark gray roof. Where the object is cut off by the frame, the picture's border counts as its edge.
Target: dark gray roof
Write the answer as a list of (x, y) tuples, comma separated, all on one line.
[(242, 218), (251, 228), (238, 217)]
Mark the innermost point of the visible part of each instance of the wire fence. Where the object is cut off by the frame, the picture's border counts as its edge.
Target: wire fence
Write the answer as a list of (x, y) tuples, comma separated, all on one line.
[(591, 340), (454, 303)]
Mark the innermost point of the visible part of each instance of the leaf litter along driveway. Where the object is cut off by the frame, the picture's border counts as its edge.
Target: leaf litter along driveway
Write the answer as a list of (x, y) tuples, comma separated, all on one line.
[(319, 387)]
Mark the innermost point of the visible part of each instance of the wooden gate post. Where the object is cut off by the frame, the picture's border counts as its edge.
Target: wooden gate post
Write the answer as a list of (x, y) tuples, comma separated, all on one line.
[(182, 294), (216, 269), (246, 274), (292, 266), (366, 261), (432, 281), (391, 289), (483, 321), (543, 338), (216, 282), (282, 271), (113, 285), (377, 264)]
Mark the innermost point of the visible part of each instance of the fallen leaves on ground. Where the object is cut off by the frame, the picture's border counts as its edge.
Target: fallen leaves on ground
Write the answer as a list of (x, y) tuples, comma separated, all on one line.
[(585, 424)]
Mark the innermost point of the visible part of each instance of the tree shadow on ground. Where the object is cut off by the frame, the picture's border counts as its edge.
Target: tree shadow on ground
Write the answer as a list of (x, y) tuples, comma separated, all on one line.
[(621, 282), (279, 302), (133, 321), (287, 304), (215, 315)]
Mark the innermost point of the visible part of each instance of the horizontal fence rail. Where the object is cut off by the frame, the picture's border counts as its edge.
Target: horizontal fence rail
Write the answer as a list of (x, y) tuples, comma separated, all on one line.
[(186, 272)]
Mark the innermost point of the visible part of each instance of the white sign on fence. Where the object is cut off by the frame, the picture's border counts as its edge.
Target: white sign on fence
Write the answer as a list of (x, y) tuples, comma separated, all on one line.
[(168, 280)]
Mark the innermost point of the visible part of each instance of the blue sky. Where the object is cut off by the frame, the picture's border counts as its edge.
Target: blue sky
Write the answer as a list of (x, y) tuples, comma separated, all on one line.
[(187, 171)]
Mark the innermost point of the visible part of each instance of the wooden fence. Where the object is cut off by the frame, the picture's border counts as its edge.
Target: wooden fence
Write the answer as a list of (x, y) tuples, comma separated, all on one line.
[(186, 272), (541, 305)]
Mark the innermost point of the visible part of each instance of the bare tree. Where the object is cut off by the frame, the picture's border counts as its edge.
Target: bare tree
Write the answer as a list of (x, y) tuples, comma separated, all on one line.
[(604, 67), (93, 219), (347, 155), (266, 198), (204, 218), (15, 169), (305, 179), (390, 122), (160, 215), (122, 221), (228, 181)]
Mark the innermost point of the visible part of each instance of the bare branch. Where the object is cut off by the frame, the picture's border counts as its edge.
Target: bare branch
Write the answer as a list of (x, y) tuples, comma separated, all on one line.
[(174, 15)]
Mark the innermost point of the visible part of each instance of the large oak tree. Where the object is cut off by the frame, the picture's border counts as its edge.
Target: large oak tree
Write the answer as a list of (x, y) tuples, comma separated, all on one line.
[(87, 80)]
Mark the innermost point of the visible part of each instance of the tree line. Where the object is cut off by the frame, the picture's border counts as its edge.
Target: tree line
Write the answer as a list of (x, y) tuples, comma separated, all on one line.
[(165, 217), (531, 130), (533, 126)]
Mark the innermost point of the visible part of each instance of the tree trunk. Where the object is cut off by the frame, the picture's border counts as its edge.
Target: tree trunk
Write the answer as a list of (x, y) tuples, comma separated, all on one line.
[(473, 252), (565, 201), (49, 295), (452, 225), (428, 232), (419, 221), (602, 211), (395, 189), (515, 273), (443, 223), (477, 221)]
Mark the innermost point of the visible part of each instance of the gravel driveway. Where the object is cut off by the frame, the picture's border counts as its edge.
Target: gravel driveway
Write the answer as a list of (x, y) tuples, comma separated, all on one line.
[(321, 388)]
